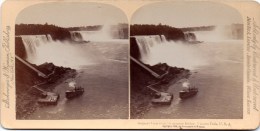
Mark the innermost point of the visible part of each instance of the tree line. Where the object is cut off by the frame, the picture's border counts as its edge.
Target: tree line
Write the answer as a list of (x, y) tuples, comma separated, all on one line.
[(171, 33), (57, 33)]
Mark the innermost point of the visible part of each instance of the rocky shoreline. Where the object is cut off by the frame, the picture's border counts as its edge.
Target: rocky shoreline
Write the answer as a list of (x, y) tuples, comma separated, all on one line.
[(141, 96), (26, 95)]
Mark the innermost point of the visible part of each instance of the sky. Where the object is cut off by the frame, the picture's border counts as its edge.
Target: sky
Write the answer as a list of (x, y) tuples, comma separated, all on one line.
[(188, 14), (176, 14), (71, 14)]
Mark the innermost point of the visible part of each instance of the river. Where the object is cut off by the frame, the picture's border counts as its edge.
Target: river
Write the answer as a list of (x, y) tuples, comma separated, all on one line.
[(105, 80)]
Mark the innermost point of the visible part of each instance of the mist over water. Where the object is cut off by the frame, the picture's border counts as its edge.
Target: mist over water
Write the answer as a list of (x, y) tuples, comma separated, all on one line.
[(104, 34), (220, 33), (179, 54), (216, 67), (154, 50), (40, 50), (176, 54)]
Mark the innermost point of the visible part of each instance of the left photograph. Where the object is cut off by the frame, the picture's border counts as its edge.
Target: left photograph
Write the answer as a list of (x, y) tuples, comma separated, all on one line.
[(71, 62)]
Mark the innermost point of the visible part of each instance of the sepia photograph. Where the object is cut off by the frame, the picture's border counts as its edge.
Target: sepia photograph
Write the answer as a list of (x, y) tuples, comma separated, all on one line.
[(71, 62), (186, 61), (129, 64)]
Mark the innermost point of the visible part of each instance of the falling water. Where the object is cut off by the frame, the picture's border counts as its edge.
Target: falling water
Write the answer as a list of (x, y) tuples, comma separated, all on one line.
[(145, 43), (31, 42), (76, 36), (104, 34), (189, 36), (41, 49), (163, 38), (156, 49)]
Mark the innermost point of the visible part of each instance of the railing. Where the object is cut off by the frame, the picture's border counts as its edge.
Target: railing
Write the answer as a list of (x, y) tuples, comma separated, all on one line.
[(30, 66), (38, 72), (148, 69)]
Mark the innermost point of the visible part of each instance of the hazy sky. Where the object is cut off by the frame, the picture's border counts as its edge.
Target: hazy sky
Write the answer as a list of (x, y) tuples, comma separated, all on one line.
[(71, 14), (188, 14)]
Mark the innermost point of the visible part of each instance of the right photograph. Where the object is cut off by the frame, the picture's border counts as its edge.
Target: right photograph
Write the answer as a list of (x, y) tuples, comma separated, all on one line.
[(186, 61)]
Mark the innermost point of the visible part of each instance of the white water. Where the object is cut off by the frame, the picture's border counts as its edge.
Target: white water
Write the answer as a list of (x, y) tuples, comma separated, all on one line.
[(32, 42), (154, 50), (108, 32), (104, 34), (220, 33), (39, 50)]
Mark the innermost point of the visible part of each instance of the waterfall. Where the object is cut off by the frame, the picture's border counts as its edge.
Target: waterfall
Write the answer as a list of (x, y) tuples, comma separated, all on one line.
[(163, 38), (31, 44), (104, 34), (49, 38), (76, 36), (156, 49), (87, 36), (145, 43), (42, 48), (190, 36)]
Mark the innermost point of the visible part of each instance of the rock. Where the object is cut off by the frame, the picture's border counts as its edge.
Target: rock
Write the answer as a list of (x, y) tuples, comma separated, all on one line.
[(26, 96)]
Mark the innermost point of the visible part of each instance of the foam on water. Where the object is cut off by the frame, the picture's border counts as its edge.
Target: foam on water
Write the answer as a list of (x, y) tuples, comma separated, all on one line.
[(41, 49), (154, 50)]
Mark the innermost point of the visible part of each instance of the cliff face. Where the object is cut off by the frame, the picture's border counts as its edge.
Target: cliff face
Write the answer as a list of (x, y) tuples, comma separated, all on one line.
[(19, 48), (134, 49)]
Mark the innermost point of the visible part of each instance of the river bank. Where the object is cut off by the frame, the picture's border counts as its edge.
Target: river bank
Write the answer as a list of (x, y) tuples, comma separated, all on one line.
[(105, 96), (26, 95), (141, 96), (101, 69), (220, 84)]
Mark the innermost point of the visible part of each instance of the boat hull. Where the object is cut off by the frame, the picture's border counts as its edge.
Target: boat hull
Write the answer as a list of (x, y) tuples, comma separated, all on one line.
[(74, 93), (187, 94)]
